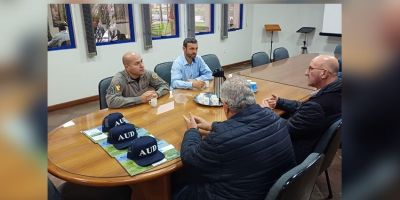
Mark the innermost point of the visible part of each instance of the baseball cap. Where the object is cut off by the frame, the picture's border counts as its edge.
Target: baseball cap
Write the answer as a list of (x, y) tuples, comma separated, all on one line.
[(122, 136), (144, 151), (112, 120)]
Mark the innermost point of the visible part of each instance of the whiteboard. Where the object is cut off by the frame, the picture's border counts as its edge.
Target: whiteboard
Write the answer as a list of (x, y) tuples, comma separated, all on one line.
[(332, 23)]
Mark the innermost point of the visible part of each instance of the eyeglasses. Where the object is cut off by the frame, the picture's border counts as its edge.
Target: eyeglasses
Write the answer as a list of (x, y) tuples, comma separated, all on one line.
[(311, 68)]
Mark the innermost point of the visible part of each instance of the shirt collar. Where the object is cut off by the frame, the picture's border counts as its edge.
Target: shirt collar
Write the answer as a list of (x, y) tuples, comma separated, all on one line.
[(129, 78), (185, 62)]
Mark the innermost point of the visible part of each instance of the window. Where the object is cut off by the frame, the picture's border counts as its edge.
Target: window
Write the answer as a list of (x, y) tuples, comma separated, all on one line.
[(164, 21), (112, 23), (235, 15), (60, 33), (204, 18)]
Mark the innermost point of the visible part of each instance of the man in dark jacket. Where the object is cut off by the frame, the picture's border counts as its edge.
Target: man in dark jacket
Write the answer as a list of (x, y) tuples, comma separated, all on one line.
[(240, 158), (310, 119)]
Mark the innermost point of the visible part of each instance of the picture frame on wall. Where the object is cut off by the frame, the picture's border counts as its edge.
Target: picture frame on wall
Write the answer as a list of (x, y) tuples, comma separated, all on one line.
[(111, 23), (60, 30)]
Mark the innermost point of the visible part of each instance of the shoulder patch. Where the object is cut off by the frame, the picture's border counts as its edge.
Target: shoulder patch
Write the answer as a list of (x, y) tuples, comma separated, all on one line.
[(154, 76), (118, 87)]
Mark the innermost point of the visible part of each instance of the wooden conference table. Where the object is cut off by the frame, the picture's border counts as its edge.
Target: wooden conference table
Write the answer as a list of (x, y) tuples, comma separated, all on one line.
[(287, 71), (75, 158)]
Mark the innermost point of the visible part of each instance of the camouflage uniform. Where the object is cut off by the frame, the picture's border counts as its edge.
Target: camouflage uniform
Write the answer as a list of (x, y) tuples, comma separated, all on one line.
[(125, 91)]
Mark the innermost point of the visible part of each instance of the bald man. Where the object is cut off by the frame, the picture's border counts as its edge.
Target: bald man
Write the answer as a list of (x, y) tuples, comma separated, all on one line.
[(134, 85), (308, 120)]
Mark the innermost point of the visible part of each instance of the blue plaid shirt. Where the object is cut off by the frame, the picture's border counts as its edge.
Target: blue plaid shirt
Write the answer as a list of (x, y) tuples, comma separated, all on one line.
[(182, 71)]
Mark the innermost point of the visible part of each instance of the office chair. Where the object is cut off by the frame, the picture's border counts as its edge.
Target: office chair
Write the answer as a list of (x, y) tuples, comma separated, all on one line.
[(212, 61), (298, 182), (328, 145), (340, 68), (259, 58), (52, 192), (103, 86), (163, 70), (338, 51), (65, 43), (280, 53)]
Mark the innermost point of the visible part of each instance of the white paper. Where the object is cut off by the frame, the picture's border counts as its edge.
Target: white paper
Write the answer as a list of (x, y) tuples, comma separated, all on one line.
[(166, 148), (68, 124), (165, 107), (92, 132), (99, 137), (159, 162)]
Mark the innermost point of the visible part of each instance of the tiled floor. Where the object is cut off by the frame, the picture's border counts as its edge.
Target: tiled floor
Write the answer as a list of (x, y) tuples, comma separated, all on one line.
[(57, 118)]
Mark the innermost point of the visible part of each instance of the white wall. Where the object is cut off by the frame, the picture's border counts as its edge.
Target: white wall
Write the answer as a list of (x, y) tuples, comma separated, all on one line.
[(73, 75), (290, 17)]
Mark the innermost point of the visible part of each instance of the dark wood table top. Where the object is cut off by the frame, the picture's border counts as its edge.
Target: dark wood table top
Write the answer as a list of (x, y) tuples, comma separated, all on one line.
[(289, 71)]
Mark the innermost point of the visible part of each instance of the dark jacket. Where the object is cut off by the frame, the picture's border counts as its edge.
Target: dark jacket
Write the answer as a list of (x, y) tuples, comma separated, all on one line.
[(240, 159), (310, 119)]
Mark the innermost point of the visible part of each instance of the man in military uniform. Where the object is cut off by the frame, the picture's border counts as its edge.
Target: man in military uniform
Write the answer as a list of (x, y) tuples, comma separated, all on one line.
[(134, 85)]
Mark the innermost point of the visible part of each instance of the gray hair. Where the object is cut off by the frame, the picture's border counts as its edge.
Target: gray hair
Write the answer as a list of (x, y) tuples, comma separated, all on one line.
[(237, 94)]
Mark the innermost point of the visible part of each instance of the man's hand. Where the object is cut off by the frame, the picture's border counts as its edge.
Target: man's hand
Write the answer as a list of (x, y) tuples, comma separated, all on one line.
[(147, 96), (270, 102), (197, 84), (202, 123), (190, 121)]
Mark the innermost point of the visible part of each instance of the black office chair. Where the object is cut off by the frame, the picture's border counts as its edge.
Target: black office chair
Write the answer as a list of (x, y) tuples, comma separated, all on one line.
[(103, 86), (52, 192), (338, 51), (163, 70), (72, 191), (298, 182), (339, 74), (65, 43), (212, 61), (328, 145), (259, 58), (280, 53)]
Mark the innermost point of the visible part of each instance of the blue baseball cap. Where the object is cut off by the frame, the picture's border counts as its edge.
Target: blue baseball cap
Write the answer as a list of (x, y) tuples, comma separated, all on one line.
[(144, 151), (112, 120), (122, 136)]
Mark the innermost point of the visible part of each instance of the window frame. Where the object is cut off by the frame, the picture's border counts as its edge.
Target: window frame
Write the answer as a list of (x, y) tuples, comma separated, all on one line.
[(70, 31), (176, 7), (240, 20), (131, 28), (211, 24)]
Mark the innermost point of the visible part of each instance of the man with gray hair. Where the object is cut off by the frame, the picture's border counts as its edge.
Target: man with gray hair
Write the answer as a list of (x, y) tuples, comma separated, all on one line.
[(240, 158)]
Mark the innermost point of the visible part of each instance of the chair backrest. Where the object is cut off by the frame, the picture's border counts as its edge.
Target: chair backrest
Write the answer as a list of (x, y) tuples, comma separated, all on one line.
[(163, 70), (329, 143), (103, 86), (339, 74), (259, 58), (298, 182), (280, 53), (212, 61), (338, 51)]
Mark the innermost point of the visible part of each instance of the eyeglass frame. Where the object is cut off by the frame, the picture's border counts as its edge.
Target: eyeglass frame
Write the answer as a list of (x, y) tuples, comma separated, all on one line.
[(311, 68)]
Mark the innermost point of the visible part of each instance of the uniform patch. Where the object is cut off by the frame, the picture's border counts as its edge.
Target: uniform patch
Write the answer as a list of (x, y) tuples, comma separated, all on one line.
[(154, 76), (118, 88)]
